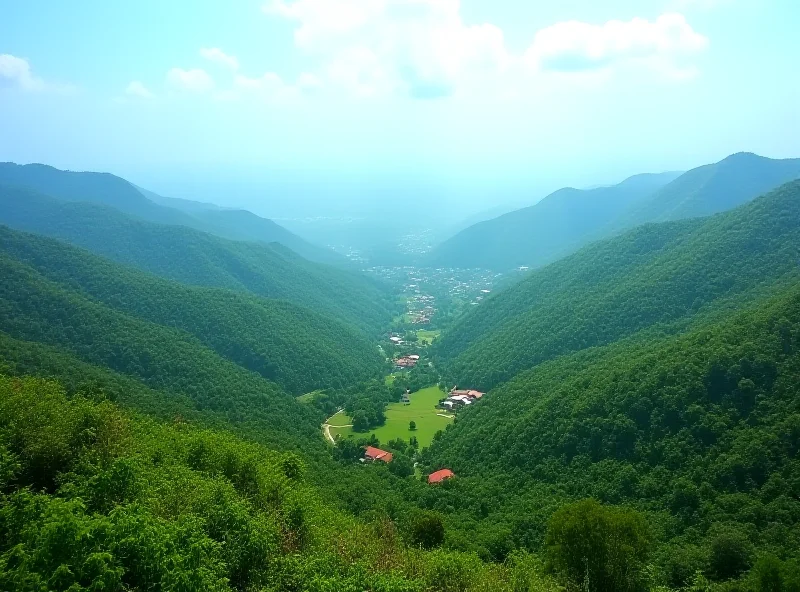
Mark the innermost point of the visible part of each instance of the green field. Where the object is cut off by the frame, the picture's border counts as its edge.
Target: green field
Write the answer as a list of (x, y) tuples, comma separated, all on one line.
[(340, 419), (426, 337), (307, 397), (422, 410)]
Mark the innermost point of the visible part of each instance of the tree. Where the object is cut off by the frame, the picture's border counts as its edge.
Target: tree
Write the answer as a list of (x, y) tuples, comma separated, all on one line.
[(731, 553), (427, 530), (360, 422), (401, 466), (603, 548), (412, 425)]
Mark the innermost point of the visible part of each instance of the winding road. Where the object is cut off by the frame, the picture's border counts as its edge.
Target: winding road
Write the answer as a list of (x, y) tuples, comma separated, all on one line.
[(326, 427)]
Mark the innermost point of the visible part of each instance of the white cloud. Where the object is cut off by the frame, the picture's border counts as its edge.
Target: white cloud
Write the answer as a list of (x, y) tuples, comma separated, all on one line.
[(423, 48), (137, 89), (196, 80), (308, 82), (16, 72), (420, 47), (574, 46), (216, 55), (268, 83)]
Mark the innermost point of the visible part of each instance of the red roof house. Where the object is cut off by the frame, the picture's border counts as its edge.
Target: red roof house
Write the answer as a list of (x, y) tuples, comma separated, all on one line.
[(440, 476), (372, 454)]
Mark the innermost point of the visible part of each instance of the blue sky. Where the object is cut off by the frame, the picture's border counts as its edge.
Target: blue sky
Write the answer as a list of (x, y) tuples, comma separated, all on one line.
[(480, 99)]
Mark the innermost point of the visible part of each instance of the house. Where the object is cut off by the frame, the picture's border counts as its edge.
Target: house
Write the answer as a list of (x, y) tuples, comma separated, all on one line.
[(406, 362), (472, 394), (371, 454), (440, 476), (396, 340), (406, 398), (460, 400), (414, 357)]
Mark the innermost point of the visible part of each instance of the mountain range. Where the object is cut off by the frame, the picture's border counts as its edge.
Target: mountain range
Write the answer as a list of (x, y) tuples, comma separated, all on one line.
[(107, 189), (183, 254), (570, 218)]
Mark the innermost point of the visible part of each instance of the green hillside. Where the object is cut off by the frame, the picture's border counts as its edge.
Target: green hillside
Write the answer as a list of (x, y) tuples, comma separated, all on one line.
[(557, 225), (284, 343), (654, 275), (569, 218), (37, 309), (110, 190), (242, 225), (700, 432), (193, 257), (95, 498), (713, 188)]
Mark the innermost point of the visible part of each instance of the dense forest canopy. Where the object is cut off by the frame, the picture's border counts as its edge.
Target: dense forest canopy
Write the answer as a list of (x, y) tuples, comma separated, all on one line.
[(653, 275), (300, 350), (193, 257), (700, 432)]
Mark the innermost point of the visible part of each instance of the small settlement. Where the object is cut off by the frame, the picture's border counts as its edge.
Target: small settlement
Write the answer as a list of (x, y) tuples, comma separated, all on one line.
[(372, 454), (458, 399), (406, 362)]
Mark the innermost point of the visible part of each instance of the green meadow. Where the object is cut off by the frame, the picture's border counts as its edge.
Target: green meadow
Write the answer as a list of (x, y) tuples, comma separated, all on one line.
[(426, 337), (422, 410)]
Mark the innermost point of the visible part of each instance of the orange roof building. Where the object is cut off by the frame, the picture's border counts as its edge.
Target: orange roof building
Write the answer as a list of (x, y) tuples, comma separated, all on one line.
[(440, 476), (372, 454)]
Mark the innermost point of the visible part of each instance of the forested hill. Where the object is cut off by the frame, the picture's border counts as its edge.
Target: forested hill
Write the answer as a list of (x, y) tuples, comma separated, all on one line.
[(242, 225), (652, 275), (700, 431), (193, 257), (110, 190), (36, 309), (534, 236), (294, 347), (713, 188)]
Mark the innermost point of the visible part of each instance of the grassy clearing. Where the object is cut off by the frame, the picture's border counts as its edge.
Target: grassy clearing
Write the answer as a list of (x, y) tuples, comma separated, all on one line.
[(427, 337), (390, 379), (307, 397), (339, 419), (422, 410)]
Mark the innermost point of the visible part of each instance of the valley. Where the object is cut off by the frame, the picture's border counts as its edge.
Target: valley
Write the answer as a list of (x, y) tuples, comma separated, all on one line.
[(174, 377)]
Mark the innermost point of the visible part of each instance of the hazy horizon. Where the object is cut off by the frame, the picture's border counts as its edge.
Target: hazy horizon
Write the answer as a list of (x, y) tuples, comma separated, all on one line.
[(456, 107)]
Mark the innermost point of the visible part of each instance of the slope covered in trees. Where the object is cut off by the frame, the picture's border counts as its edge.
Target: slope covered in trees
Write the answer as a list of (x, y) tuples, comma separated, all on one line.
[(557, 225), (193, 257), (110, 190), (570, 218), (651, 276), (40, 310), (700, 432), (94, 498), (300, 350)]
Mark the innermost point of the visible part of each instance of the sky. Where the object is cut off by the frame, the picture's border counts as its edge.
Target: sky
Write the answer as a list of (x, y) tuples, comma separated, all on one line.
[(281, 105)]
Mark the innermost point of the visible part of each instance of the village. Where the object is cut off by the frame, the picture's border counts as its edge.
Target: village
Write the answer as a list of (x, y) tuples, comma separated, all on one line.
[(456, 399)]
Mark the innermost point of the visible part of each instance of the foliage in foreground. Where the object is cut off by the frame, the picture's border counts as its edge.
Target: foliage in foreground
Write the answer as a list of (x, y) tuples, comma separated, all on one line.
[(94, 499)]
